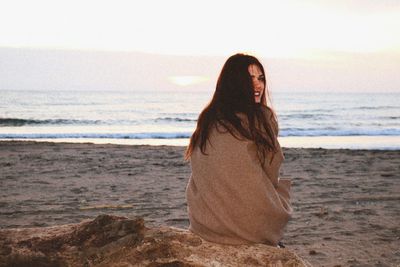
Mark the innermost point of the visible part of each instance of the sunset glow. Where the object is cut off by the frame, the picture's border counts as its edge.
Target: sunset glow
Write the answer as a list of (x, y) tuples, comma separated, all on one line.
[(160, 45), (187, 80)]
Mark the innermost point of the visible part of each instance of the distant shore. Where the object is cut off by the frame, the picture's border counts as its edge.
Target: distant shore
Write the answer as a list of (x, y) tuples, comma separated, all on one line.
[(346, 202)]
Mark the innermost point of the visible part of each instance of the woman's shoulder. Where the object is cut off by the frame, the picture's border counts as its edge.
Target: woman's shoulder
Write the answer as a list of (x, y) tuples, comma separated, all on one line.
[(270, 117), (268, 112)]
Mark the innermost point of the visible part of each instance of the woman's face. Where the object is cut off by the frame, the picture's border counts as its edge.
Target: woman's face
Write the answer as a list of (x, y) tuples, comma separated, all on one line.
[(258, 82)]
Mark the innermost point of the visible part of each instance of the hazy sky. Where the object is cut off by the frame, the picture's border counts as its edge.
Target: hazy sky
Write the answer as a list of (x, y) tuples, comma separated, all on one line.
[(306, 44), (267, 28)]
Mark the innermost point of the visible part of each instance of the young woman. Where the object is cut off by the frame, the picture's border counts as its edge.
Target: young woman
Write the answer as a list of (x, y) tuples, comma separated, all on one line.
[(235, 195)]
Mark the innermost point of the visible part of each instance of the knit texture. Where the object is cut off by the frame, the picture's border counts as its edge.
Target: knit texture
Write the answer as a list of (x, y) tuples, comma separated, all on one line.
[(234, 199)]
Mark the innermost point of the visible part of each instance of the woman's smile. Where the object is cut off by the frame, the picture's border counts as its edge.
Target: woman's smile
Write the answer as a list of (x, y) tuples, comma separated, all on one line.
[(258, 80)]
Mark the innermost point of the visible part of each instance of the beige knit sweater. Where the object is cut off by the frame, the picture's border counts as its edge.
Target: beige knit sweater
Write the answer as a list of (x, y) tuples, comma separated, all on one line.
[(232, 198)]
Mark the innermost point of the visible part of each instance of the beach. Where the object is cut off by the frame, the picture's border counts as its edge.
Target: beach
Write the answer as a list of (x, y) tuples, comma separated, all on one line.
[(346, 202)]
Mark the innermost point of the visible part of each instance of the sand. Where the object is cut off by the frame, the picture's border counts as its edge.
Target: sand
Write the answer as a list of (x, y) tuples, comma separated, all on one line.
[(346, 202)]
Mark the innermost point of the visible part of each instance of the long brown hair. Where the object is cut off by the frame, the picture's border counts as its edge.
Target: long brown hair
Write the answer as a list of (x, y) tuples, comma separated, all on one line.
[(234, 95)]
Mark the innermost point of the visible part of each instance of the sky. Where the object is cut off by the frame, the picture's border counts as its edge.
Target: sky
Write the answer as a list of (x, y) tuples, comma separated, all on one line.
[(315, 42)]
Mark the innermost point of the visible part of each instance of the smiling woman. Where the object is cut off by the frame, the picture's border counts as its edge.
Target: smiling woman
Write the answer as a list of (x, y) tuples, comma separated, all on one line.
[(235, 194)]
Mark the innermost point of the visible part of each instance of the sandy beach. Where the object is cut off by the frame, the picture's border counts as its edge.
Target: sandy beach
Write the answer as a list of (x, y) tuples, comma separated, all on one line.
[(346, 202)]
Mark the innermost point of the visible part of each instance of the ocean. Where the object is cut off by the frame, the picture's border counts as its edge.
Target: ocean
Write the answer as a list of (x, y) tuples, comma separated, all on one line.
[(326, 120)]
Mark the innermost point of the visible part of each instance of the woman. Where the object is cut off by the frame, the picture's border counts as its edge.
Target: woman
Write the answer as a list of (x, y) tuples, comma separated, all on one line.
[(234, 194)]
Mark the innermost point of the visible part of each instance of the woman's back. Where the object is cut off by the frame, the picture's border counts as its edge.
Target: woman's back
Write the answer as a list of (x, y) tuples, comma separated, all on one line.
[(233, 198)]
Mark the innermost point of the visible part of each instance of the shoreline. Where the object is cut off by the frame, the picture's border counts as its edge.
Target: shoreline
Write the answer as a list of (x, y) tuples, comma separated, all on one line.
[(345, 201), (324, 142)]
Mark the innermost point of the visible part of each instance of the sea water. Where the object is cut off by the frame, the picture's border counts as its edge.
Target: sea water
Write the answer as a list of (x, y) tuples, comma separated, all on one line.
[(318, 119)]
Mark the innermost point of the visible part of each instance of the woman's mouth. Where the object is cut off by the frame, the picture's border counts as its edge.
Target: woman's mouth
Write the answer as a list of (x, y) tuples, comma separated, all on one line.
[(256, 93)]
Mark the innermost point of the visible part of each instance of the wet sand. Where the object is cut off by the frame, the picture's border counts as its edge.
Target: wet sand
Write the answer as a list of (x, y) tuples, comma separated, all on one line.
[(346, 202)]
